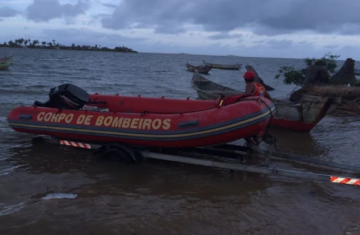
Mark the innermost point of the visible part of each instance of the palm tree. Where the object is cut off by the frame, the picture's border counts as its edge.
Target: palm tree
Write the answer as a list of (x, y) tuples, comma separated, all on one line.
[(21, 41), (35, 42)]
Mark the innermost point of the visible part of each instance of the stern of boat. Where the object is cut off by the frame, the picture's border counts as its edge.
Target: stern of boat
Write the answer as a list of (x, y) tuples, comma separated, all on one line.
[(315, 108), (305, 115)]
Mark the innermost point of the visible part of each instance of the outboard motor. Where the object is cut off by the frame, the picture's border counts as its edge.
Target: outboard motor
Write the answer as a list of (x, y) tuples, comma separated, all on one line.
[(66, 96)]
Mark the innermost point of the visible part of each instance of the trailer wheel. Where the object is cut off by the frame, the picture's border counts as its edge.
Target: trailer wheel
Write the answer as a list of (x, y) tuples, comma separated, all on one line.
[(137, 155), (116, 154), (37, 140)]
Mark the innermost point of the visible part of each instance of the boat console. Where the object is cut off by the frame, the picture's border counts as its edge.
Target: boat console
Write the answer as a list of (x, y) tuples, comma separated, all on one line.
[(66, 96)]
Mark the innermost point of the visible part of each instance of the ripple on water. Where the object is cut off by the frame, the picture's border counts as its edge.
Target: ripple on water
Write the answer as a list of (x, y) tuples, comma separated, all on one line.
[(9, 209), (59, 196), (5, 170)]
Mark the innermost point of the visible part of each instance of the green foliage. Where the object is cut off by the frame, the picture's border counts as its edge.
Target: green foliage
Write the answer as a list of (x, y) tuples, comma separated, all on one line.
[(54, 45), (297, 77), (291, 75)]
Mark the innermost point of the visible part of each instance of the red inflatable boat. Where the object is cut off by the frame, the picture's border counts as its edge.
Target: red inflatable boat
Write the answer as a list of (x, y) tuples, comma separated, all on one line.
[(73, 114)]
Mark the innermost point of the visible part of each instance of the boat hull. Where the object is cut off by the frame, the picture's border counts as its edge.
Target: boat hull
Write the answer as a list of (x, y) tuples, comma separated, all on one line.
[(301, 117), (5, 62), (185, 123), (292, 125), (200, 69), (224, 67), (4, 66)]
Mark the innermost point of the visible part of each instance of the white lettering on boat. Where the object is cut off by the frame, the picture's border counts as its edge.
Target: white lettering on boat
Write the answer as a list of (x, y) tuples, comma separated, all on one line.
[(55, 117), (106, 121), (133, 123)]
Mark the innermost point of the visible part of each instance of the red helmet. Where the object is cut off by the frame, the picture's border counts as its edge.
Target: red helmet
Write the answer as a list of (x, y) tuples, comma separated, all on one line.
[(249, 75)]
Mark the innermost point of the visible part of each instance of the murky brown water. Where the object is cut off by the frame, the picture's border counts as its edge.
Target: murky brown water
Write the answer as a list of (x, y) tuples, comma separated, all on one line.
[(158, 197)]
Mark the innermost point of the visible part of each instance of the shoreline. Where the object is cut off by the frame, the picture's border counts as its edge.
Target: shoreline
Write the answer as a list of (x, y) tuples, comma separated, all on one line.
[(53, 45), (149, 52), (71, 49)]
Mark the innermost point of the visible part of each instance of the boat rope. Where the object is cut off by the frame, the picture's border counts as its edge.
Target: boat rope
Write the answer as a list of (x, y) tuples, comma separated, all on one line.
[(269, 124), (220, 103), (271, 116)]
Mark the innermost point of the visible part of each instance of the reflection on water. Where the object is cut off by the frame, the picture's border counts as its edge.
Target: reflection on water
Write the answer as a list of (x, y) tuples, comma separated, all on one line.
[(296, 142), (59, 196)]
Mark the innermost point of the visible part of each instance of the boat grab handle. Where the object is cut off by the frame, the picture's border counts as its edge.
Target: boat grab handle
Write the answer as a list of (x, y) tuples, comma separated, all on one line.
[(188, 124), (96, 102)]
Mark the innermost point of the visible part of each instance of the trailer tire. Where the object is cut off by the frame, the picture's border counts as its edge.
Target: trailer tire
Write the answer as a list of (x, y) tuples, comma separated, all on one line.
[(137, 155), (37, 140), (116, 154)]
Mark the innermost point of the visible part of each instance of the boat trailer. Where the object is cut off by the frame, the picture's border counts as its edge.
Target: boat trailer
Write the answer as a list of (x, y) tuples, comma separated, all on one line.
[(226, 156)]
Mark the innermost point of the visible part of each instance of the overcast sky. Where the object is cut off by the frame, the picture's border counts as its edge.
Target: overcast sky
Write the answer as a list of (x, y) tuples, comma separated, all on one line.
[(260, 28)]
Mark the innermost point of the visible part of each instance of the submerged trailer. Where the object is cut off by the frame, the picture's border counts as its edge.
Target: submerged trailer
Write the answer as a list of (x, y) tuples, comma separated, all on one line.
[(226, 156)]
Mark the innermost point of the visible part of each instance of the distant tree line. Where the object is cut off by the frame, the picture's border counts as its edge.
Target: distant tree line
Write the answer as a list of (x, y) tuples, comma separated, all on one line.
[(54, 45)]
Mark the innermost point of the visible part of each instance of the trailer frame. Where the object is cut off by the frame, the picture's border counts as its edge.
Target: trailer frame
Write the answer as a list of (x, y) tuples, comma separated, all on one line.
[(225, 156)]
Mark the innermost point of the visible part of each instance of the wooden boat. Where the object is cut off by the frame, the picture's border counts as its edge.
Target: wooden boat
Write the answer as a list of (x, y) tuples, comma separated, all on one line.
[(5, 62), (6, 59), (224, 66), (71, 113), (201, 69), (302, 116), (4, 66)]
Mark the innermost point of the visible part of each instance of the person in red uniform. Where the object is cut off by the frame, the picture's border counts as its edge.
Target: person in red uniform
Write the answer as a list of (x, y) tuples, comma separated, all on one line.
[(254, 89)]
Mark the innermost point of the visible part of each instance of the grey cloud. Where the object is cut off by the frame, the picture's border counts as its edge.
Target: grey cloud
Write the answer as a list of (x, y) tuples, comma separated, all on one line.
[(351, 48), (304, 44), (316, 15), (225, 36), (45, 10), (176, 12), (331, 46), (109, 5), (349, 29), (279, 43), (261, 29), (7, 12), (268, 17), (169, 27), (260, 41)]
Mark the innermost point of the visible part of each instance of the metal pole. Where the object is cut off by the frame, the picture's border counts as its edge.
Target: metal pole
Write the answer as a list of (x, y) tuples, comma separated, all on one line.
[(238, 167), (318, 162), (230, 166), (310, 160)]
